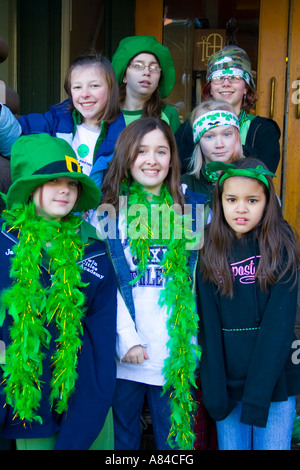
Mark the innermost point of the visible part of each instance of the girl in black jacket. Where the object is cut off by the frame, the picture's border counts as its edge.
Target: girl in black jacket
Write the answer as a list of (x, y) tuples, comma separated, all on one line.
[(247, 292), (229, 77)]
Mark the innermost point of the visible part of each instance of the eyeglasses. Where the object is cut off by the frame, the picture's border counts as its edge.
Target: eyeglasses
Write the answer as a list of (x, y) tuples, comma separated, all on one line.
[(153, 68), (230, 78)]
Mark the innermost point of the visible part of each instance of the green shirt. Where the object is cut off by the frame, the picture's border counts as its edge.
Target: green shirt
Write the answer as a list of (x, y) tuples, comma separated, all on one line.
[(169, 114)]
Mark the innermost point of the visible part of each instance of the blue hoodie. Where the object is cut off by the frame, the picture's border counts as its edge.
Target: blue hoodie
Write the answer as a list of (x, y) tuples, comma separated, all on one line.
[(60, 121)]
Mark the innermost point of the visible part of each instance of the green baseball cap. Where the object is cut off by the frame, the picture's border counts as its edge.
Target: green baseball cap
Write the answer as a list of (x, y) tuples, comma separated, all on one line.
[(131, 46), (230, 57), (38, 158)]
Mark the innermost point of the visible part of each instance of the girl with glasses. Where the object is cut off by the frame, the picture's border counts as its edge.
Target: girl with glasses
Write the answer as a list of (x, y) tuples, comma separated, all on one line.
[(146, 75), (229, 77)]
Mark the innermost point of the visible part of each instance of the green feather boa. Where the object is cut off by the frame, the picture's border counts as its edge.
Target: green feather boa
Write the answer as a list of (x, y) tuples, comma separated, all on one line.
[(33, 307), (178, 296)]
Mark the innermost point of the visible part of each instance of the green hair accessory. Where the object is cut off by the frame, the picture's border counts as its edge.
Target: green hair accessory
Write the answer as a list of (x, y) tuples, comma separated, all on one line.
[(229, 170)]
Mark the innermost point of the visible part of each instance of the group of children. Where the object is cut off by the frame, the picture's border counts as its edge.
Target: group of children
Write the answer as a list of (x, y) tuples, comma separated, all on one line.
[(92, 326)]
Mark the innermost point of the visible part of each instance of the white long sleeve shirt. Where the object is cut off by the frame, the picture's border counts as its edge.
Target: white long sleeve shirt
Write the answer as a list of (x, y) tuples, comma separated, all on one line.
[(150, 328)]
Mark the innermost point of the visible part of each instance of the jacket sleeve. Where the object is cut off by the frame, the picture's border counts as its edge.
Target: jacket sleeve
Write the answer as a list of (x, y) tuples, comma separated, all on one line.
[(57, 120), (212, 364), (263, 142), (10, 130), (95, 385), (271, 353), (36, 123)]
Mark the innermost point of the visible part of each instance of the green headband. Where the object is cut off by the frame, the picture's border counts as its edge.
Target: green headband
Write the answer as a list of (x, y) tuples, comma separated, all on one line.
[(230, 170)]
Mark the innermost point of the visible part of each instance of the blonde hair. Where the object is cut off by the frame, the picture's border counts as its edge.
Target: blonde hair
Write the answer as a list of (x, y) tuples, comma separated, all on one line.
[(198, 158)]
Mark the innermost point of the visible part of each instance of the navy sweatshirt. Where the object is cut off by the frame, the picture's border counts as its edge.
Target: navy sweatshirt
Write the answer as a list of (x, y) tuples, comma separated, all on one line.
[(89, 405), (248, 348)]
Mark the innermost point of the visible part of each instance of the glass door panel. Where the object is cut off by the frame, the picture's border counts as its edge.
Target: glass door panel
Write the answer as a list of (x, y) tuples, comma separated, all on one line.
[(195, 30)]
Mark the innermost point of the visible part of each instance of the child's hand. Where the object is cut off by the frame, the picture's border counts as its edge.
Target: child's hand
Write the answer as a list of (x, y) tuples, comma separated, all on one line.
[(136, 355)]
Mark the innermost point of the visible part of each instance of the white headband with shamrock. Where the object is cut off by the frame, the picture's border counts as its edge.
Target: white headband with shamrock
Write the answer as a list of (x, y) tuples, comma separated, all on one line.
[(230, 71), (212, 119)]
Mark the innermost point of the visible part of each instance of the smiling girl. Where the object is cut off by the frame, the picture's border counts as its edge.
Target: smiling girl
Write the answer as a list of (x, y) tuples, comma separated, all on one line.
[(247, 292), (229, 77), (157, 319), (89, 120)]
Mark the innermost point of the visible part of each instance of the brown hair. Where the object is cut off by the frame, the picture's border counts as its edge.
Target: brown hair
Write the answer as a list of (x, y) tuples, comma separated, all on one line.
[(278, 248), (112, 109), (248, 103), (126, 151)]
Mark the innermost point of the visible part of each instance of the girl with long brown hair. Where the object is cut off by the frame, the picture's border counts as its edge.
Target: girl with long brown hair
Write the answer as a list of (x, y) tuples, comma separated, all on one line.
[(157, 319), (247, 291)]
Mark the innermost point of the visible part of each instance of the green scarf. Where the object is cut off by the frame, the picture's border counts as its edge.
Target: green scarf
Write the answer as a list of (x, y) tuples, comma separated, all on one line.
[(33, 307), (177, 296)]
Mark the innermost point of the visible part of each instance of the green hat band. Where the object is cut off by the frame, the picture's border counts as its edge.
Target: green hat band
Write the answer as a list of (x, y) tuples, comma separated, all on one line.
[(61, 166), (231, 170)]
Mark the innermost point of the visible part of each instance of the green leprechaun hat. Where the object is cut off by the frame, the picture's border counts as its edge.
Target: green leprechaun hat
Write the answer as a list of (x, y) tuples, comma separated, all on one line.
[(133, 45), (38, 158)]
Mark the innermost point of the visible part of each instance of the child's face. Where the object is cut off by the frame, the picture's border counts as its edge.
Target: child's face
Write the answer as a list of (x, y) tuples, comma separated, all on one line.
[(142, 83), (89, 90), (244, 202), (233, 93), (56, 198), (218, 144), (152, 163)]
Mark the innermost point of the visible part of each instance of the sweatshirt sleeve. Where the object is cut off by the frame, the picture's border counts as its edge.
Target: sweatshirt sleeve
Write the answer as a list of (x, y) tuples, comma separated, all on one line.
[(92, 399), (212, 365), (263, 142), (271, 352), (127, 336), (10, 130)]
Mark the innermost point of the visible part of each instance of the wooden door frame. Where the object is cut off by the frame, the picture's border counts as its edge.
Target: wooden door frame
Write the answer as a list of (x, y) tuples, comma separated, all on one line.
[(149, 18), (291, 198), (273, 36)]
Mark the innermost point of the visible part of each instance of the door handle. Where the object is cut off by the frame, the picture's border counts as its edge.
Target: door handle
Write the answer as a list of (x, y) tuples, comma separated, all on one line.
[(298, 101), (272, 97)]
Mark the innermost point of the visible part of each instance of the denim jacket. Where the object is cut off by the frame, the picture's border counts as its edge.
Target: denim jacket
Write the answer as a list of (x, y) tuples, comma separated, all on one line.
[(116, 252)]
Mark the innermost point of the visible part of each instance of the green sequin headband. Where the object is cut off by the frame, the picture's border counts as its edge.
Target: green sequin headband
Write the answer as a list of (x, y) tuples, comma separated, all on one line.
[(211, 119), (231, 170)]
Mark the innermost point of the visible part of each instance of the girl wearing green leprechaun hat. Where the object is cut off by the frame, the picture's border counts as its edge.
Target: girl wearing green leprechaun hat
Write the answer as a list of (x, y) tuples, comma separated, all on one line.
[(146, 75), (57, 305), (229, 77)]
